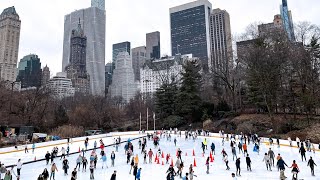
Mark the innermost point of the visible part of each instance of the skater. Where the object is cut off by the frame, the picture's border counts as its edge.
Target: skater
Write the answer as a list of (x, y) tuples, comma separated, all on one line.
[(271, 155), (167, 158), (295, 170), (47, 157), (74, 174), (311, 163), (135, 171), (185, 177), (65, 166), (298, 142), (150, 154), (91, 169), (233, 176), (191, 172), (136, 160), (248, 161), (266, 159), (138, 174), (45, 174), (104, 160), (302, 151), (86, 142), (79, 161), (175, 142), (19, 165), (208, 164), (114, 175), (63, 153), (213, 148), (179, 154), (84, 164), (131, 164), (240, 148), (112, 157), (33, 147), (245, 149), (238, 167), (53, 171), (278, 142), (234, 153), (95, 145), (282, 175), (26, 148), (225, 159), (290, 141), (8, 175)]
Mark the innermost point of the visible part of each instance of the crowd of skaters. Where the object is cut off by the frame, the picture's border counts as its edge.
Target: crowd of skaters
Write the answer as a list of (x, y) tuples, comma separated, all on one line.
[(240, 141)]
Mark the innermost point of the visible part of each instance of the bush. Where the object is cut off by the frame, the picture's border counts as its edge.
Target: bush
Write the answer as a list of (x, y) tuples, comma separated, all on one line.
[(173, 121), (66, 131)]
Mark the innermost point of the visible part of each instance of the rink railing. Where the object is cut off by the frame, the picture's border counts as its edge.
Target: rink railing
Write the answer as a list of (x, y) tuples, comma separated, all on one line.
[(77, 152)]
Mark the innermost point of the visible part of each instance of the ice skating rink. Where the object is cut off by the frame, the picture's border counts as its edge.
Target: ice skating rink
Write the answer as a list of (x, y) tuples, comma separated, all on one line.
[(156, 171)]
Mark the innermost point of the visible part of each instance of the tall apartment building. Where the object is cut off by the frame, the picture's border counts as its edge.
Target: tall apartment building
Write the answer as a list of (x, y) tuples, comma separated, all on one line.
[(108, 76), (138, 59), (45, 75), (273, 27), (287, 20), (76, 70), (153, 45), (123, 84), (156, 72), (190, 30), (10, 25), (93, 21), (118, 48), (221, 41), (30, 72), (60, 86)]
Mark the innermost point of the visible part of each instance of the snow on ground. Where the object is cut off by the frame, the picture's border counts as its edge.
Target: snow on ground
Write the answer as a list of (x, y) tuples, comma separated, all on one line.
[(158, 172)]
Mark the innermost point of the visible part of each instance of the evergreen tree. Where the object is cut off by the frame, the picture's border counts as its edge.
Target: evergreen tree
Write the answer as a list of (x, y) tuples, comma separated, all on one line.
[(188, 100), (165, 99), (61, 116)]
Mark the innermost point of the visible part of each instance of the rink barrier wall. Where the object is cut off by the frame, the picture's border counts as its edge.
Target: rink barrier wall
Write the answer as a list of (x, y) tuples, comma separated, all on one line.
[(43, 159), (64, 141)]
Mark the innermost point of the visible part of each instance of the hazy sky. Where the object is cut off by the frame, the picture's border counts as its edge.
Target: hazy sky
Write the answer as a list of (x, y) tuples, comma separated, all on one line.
[(129, 20)]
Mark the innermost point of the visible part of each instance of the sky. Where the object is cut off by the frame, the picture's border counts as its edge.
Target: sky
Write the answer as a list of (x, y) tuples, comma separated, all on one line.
[(42, 21)]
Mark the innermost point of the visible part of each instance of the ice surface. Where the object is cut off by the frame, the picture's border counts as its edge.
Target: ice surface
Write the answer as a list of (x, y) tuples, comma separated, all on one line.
[(157, 171)]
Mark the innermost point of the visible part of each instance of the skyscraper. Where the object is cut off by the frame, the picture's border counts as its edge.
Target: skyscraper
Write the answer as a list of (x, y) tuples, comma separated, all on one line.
[(120, 47), (9, 43), (45, 75), (138, 59), (93, 21), (123, 84), (221, 42), (76, 70), (153, 45), (108, 76), (287, 20), (98, 3), (30, 73), (190, 30)]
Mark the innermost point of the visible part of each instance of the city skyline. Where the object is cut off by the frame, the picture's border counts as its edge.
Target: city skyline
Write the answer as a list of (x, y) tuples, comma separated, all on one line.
[(43, 35)]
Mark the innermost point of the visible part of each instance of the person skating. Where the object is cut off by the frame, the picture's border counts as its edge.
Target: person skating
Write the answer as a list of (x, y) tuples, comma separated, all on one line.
[(74, 174), (208, 164), (53, 171), (271, 155), (278, 142), (79, 161), (84, 164), (191, 172), (233, 176), (104, 160), (136, 160), (150, 154), (298, 141), (47, 157), (33, 147), (238, 172), (203, 147), (175, 142), (295, 170), (138, 174), (135, 171), (26, 148), (52, 156), (45, 174), (112, 157), (131, 165), (213, 148), (19, 166), (240, 148), (311, 164), (167, 158), (179, 153), (8, 175), (65, 166), (226, 161), (302, 151), (171, 173), (266, 159), (63, 153), (185, 177), (114, 175), (248, 162), (245, 149), (234, 153), (91, 170)]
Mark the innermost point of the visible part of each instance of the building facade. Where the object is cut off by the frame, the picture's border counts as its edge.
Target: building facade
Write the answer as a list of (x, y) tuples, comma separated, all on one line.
[(99, 4), (30, 72), (156, 72), (123, 84), (76, 70), (287, 20), (45, 75), (10, 26), (138, 59), (271, 28), (153, 45), (108, 76), (93, 21), (120, 47), (190, 30), (60, 86), (221, 41)]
